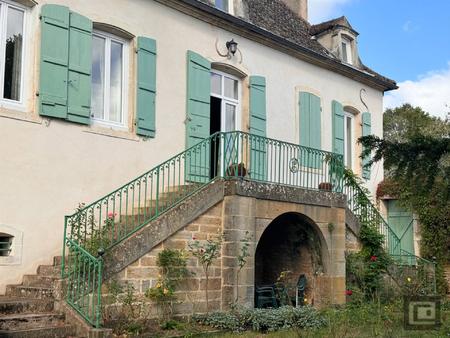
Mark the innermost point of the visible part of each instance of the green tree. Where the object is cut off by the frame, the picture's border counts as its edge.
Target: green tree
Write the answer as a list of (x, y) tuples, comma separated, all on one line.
[(416, 155)]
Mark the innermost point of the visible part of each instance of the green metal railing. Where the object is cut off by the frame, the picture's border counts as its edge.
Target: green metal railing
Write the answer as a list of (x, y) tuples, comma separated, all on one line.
[(362, 207), (95, 228), (84, 282)]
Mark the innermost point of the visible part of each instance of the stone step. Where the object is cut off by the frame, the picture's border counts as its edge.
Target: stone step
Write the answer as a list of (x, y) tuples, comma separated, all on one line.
[(21, 305), (34, 292), (23, 321), (57, 331), (49, 271), (38, 280)]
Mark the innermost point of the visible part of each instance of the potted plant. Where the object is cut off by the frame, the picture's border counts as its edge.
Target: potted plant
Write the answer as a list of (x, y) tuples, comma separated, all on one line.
[(236, 170)]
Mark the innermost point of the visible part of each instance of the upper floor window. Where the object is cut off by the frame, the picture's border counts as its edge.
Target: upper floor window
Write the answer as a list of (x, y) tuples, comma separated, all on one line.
[(224, 5), (346, 51), (12, 19), (348, 139), (109, 64)]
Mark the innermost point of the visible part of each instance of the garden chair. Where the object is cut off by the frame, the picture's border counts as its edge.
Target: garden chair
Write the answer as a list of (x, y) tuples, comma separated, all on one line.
[(265, 297), (301, 289)]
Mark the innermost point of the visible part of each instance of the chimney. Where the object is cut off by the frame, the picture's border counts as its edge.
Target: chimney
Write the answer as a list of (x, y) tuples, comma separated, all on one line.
[(299, 7)]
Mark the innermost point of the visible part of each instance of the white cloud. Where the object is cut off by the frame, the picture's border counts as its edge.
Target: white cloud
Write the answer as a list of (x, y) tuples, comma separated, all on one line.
[(323, 10), (409, 27), (431, 92)]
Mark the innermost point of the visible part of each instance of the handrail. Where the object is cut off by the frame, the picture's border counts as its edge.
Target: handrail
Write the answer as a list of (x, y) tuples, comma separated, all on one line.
[(100, 225), (95, 228), (357, 201), (361, 205)]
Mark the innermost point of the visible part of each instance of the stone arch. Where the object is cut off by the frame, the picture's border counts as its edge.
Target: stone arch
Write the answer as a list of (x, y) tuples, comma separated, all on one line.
[(292, 242)]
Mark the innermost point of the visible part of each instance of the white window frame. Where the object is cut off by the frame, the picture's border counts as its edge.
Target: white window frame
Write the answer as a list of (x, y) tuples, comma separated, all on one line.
[(352, 134), (230, 6), (125, 66), (225, 100), (8, 103), (348, 50)]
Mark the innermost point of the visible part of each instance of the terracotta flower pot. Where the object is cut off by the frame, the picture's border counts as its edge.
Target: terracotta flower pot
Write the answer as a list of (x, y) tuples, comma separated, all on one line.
[(236, 170), (326, 186)]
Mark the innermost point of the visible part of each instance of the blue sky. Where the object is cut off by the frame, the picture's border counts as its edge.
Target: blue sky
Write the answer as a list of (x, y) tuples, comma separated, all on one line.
[(406, 40)]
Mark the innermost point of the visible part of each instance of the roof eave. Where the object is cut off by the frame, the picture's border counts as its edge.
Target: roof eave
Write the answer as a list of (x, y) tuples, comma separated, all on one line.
[(248, 30)]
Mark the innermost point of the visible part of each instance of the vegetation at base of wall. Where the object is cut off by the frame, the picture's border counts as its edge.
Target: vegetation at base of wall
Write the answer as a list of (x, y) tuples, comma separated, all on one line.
[(85, 231), (366, 320), (206, 252), (172, 268), (242, 258), (416, 154), (263, 320)]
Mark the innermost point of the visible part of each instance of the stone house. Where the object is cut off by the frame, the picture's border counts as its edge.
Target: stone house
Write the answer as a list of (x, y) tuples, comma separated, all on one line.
[(95, 94)]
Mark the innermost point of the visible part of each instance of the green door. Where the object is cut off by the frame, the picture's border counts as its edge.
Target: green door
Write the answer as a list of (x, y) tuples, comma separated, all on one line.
[(198, 117), (401, 222), (258, 146)]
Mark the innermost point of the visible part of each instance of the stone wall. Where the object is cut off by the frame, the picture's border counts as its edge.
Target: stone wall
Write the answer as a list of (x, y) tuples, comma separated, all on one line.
[(144, 272), (238, 216)]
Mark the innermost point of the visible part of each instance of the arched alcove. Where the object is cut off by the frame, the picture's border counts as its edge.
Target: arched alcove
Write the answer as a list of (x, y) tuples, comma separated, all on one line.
[(291, 242)]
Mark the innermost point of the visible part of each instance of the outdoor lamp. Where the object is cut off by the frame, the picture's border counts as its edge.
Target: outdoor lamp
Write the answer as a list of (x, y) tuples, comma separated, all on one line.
[(232, 47)]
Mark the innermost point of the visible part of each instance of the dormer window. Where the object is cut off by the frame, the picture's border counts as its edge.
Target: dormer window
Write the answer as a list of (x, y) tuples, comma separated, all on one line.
[(222, 5), (346, 47)]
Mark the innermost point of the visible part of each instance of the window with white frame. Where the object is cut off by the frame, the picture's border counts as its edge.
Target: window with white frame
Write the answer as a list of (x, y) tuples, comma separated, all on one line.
[(12, 23), (346, 51), (348, 139), (109, 65), (226, 88), (224, 5)]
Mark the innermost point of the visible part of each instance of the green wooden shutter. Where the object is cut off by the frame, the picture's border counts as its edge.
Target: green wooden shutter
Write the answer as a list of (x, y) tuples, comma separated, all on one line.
[(146, 87), (366, 130), (338, 128), (310, 129), (80, 67), (258, 126), (54, 60), (198, 116)]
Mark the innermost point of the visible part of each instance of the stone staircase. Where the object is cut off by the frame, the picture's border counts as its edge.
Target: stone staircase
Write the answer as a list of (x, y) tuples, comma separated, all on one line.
[(29, 310)]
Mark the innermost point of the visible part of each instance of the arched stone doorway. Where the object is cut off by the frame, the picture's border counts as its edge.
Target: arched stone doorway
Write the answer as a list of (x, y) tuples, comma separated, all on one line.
[(292, 245)]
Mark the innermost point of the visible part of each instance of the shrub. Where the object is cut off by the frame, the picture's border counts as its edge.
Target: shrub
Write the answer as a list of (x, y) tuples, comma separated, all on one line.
[(263, 320), (172, 268)]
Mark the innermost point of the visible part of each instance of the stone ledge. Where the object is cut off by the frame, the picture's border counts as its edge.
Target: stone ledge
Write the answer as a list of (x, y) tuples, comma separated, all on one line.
[(283, 193)]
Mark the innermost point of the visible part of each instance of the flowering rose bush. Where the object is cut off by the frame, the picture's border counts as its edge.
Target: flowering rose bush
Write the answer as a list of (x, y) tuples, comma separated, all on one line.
[(172, 266)]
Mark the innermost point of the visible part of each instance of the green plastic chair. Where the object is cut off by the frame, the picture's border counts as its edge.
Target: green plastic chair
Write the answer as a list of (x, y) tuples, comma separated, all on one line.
[(265, 297), (301, 289)]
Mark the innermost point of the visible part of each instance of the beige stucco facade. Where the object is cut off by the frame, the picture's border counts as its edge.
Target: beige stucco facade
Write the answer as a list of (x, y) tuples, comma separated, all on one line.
[(48, 166)]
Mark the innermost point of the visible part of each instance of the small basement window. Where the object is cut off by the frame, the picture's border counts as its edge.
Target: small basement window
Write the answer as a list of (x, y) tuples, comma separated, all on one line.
[(5, 244)]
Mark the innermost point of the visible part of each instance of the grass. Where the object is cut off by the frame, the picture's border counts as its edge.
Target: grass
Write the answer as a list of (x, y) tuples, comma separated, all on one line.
[(365, 321)]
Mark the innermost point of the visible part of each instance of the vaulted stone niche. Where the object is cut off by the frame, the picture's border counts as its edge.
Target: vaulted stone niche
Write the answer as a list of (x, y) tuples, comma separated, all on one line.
[(291, 243)]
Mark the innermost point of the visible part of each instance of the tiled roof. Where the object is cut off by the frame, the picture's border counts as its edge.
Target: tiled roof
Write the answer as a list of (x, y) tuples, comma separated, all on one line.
[(330, 24), (277, 18)]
